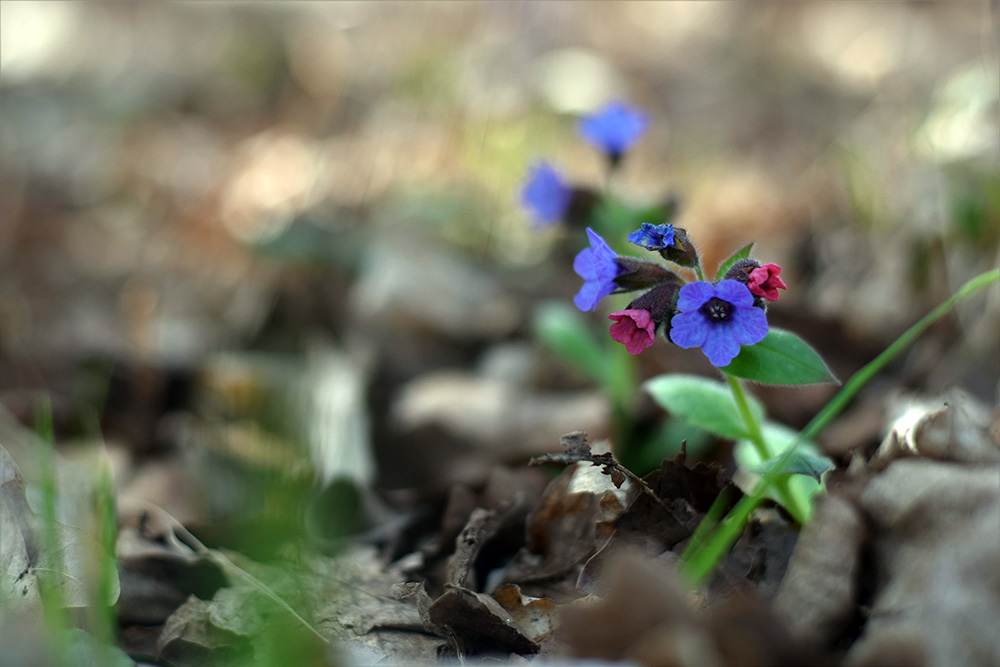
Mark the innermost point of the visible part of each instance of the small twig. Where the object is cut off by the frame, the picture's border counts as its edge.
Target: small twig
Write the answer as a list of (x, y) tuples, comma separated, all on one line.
[(648, 490)]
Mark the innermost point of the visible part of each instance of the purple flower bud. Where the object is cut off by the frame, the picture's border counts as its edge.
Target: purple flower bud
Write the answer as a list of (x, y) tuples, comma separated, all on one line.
[(653, 237), (682, 250)]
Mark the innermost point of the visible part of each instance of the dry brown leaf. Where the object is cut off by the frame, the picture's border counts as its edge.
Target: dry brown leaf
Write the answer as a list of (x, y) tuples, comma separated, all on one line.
[(534, 615), (477, 616), (909, 544), (952, 428), (937, 554), (819, 594)]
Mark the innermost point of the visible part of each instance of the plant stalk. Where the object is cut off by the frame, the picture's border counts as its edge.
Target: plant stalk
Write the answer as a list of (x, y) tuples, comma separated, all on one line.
[(798, 506), (703, 559)]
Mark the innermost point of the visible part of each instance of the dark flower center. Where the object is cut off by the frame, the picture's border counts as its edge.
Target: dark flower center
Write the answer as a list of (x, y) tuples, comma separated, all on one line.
[(717, 310)]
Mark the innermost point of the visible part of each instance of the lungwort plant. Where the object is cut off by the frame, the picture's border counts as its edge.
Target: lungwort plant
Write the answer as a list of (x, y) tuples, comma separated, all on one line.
[(724, 316), (727, 319)]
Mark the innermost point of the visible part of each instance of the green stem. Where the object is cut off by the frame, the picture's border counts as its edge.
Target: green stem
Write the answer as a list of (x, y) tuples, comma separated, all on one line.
[(702, 560), (49, 585), (863, 376), (797, 505)]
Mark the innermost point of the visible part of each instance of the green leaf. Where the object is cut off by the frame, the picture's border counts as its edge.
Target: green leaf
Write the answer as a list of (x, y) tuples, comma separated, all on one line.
[(779, 437), (804, 461), (703, 402), (742, 253), (565, 332), (781, 358)]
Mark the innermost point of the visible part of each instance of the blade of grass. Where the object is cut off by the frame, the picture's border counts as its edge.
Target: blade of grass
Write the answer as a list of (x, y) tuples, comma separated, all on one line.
[(49, 587), (229, 566), (104, 627)]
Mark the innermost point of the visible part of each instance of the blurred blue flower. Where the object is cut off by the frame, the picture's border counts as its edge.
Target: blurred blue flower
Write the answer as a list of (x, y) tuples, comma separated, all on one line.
[(614, 128), (546, 195), (598, 268), (718, 319), (653, 237)]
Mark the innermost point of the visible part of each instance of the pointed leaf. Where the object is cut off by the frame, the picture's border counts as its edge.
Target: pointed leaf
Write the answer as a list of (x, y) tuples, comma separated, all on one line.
[(805, 461), (703, 402), (566, 333), (742, 253), (781, 358), (778, 438)]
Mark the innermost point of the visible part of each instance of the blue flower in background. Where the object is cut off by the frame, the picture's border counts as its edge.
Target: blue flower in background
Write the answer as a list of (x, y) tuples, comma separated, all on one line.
[(546, 195), (598, 268), (614, 128), (653, 237), (718, 319)]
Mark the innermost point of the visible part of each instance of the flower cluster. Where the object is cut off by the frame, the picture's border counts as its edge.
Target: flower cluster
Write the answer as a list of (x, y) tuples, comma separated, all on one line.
[(717, 317), (549, 198)]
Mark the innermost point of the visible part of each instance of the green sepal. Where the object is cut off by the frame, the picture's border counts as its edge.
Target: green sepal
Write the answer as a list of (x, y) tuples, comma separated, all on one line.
[(742, 253)]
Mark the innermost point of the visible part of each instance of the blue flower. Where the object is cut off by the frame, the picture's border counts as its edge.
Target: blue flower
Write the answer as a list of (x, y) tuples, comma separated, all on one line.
[(718, 319), (546, 195), (598, 268), (614, 128), (653, 237)]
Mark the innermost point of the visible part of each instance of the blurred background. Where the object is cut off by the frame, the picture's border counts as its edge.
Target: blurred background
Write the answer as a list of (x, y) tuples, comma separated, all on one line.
[(240, 239)]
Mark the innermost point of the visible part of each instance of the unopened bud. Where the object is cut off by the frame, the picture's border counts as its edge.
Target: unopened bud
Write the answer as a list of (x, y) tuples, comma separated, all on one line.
[(661, 301), (641, 273), (741, 270), (682, 251)]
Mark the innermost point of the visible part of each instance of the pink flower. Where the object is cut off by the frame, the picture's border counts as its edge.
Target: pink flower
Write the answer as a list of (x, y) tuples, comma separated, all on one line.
[(633, 328), (764, 281)]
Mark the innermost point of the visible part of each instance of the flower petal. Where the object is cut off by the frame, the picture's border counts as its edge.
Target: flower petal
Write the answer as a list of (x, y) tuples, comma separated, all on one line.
[(653, 237), (720, 345), (688, 330), (734, 292), (695, 295), (765, 281), (749, 325), (614, 128), (583, 264), (587, 298), (634, 328), (545, 194)]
